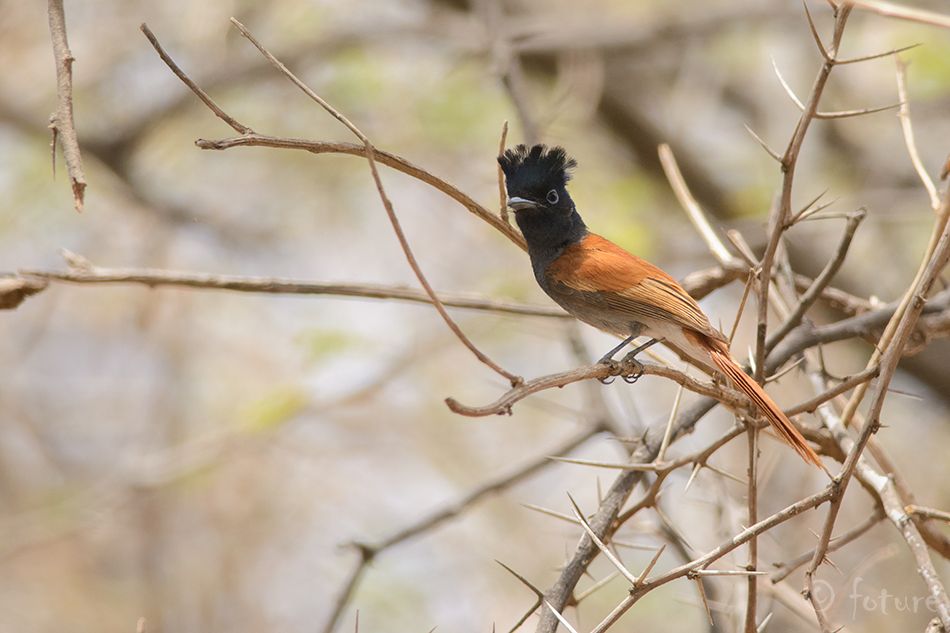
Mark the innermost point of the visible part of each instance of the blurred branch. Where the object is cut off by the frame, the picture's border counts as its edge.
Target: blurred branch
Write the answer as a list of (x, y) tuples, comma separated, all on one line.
[(891, 10), (450, 510), (14, 291), (61, 122), (693, 209), (507, 64), (908, 130)]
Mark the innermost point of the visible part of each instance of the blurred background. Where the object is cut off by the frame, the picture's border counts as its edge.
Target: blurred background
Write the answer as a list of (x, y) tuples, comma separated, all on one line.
[(202, 459)]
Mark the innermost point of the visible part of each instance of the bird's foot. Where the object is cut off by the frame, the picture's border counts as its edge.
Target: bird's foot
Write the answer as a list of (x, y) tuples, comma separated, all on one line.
[(630, 368), (615, 368)]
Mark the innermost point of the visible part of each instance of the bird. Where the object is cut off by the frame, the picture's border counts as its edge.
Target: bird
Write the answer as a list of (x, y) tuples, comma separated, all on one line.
[(613, 290)]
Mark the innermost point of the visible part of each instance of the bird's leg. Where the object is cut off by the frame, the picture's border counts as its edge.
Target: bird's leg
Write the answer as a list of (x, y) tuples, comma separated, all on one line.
[(628, 360), (608, 360), (609, 356), (631, 361)]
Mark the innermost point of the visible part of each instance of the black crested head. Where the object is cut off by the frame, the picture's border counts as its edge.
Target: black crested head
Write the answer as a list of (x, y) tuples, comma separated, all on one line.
[(532, 173), (536, 180)]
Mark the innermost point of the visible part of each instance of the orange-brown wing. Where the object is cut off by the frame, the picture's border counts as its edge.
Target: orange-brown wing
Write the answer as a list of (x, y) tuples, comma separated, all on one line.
[(626, 283)]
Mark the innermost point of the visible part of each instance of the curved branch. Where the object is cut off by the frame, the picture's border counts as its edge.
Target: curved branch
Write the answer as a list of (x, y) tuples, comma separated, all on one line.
[(390, 160), (503, 405)]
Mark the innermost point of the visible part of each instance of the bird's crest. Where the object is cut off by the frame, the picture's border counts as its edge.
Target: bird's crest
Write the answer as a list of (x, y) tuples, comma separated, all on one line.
[(533, 171)]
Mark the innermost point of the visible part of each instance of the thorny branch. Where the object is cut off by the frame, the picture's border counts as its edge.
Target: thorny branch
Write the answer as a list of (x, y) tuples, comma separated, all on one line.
[(795, 337), (61, 122)]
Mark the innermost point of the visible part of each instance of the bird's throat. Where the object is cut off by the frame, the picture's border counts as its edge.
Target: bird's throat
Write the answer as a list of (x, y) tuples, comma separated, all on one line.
[(548, 233)]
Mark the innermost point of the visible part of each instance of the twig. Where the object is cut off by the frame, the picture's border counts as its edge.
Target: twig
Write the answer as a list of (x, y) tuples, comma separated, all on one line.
[(693, 210), (185, 79), (891, 10), (154, 278), (603, 548), (928, 513), (504, 404), (61, 121), (778, 218), (537, 592), (390, 160), (916, 298), (908, 130), (939, 228), (862, 325), (700, 563), (502, 192), (851, 382), (785, 569), (368, 552), (752, 501), (605, 521), (820, 283), (387, 204)]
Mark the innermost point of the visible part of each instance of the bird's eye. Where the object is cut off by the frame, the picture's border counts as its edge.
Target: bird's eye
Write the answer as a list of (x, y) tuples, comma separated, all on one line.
[(553, 197)]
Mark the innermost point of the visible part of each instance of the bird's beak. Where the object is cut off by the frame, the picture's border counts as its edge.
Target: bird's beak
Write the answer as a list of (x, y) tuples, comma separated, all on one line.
[(520, 204)]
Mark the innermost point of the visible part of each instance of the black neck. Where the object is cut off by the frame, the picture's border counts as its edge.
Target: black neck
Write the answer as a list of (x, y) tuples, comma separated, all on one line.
[(548, 234)]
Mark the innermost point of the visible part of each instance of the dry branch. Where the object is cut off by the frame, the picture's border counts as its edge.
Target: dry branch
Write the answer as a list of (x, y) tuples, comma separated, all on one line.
[(61, 121), (154, 278)]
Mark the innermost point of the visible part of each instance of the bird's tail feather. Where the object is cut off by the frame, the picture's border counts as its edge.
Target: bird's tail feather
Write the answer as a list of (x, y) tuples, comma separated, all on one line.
[(720, 355)]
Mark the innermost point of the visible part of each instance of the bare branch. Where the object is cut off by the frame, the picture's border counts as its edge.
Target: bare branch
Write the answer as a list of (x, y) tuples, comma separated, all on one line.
[(390, 160), (737, 541), (504, 404), (771, 152), (891, 10), (820, 283), (369, 151), (502, 192), (61, 121), (850, 383), (785, 569), (928, 513), (693, 210), (908, 130), (780, 214), (14, 291), (185, 79)]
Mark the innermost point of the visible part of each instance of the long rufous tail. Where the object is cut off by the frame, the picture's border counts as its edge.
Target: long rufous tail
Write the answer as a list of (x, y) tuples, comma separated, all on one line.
[(720, 355)]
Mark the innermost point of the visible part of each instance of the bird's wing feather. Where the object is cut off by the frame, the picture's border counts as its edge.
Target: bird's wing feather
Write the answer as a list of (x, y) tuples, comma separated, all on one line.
[(608, 276)]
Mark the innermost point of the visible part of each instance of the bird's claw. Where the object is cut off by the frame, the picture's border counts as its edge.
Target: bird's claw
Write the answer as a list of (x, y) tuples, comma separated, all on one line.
[(631, 369), (615, 368)]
